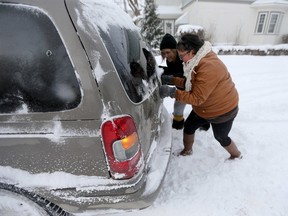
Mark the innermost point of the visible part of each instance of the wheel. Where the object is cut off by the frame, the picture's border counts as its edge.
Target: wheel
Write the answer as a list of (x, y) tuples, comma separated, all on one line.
[(18, 201), (12, 204)]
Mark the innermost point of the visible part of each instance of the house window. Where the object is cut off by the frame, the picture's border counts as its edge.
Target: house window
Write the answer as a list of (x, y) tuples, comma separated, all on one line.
[(268, 22), (169, 26), (261, 22), (274, 17)]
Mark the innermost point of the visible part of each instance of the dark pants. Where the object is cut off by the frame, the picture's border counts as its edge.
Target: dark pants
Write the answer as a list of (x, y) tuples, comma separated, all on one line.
[(220, 130)]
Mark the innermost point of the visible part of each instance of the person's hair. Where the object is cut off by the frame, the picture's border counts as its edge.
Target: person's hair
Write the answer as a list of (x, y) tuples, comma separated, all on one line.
[(190, 42)]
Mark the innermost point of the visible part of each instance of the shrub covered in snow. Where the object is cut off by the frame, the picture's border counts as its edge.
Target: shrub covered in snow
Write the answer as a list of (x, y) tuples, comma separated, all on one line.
[(263, 50), (194, 29)]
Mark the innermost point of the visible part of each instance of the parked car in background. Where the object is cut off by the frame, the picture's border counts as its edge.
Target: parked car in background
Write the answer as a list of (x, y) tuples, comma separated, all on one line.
[(82, 126)]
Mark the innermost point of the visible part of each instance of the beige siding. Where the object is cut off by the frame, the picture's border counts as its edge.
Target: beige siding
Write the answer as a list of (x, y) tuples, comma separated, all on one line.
[(232, 22), (224, 23)]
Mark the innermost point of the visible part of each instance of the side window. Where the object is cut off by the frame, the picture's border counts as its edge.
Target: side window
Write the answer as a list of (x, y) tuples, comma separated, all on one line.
[(134, 64), (36, 74)]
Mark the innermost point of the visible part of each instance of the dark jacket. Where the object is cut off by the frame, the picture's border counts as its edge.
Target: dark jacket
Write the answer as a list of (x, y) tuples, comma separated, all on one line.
[(174, 68)]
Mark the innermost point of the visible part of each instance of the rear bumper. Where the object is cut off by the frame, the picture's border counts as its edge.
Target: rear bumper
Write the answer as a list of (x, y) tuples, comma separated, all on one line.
[(78, 194), (136, 193)]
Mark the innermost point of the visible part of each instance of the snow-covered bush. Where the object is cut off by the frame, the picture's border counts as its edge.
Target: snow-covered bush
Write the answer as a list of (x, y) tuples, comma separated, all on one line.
[(193, 29)]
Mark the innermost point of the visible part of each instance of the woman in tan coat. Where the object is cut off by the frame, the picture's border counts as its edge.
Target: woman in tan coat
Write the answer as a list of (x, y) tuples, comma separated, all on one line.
[(208, 88)]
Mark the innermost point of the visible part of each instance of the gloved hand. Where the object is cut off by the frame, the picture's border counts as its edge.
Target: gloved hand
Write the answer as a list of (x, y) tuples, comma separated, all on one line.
[(167, 79), (167, 91)]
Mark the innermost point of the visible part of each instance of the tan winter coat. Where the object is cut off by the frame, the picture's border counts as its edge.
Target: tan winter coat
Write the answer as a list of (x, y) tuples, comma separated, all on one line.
[(213, 92)]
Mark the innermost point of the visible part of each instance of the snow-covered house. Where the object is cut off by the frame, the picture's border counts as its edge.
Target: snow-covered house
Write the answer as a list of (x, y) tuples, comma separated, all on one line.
[(242, 22), (169, 11)]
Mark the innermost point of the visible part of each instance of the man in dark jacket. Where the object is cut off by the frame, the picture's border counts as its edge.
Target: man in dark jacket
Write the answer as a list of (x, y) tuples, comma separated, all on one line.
[(175, 68)]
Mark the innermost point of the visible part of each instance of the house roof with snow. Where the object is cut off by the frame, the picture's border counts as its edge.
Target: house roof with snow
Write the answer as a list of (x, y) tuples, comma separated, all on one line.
[(283, 2), (271, 1), (268, 3)]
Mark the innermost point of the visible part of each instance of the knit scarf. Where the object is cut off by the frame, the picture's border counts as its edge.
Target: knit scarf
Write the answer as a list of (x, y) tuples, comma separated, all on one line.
[(189, 66)]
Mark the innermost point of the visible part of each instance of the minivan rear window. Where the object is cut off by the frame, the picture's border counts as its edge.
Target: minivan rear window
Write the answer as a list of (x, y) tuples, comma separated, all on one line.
[(36, 74)]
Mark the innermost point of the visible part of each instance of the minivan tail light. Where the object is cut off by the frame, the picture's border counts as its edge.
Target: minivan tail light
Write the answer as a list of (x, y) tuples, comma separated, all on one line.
[(122, 146)]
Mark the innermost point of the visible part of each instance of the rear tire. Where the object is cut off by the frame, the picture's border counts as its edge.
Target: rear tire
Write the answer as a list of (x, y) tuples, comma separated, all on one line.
[(17, 201)]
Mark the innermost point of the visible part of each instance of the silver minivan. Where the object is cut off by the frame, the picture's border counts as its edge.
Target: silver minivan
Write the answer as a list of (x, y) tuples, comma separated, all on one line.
[(82, 126)]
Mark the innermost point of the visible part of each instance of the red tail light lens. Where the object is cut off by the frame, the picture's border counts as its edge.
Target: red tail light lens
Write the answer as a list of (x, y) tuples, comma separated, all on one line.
[(122, 147)]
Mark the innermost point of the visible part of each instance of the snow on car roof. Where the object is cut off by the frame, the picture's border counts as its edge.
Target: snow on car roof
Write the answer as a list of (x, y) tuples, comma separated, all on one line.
[(99, 12)]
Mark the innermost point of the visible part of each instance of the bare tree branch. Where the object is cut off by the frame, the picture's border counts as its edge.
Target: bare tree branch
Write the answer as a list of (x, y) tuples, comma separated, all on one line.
[(133, 4)]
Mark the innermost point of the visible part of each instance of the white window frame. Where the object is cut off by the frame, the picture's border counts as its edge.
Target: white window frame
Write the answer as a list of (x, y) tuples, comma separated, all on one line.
[(268, 25), (260, 23), (276, 24), (171, 29)]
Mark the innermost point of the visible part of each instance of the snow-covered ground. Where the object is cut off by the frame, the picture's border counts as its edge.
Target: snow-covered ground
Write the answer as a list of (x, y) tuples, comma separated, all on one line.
[(205, 184)]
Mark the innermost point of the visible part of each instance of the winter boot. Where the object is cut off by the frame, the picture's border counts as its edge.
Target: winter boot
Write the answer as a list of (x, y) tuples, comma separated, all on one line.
[(178, 122), (233, 151), (188, 140)]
